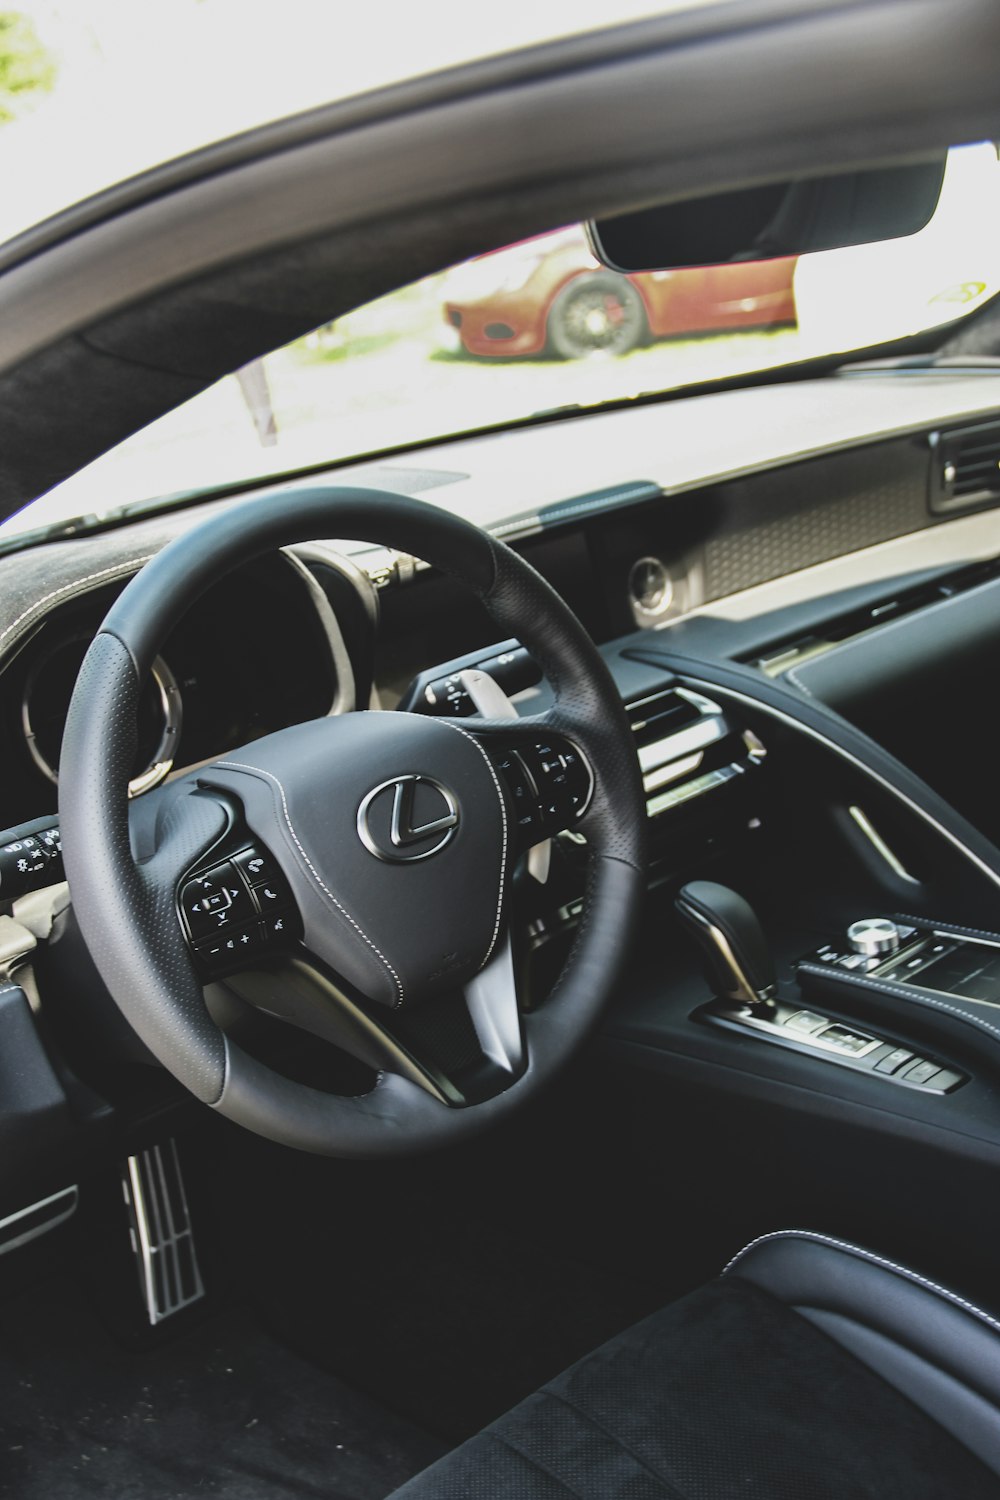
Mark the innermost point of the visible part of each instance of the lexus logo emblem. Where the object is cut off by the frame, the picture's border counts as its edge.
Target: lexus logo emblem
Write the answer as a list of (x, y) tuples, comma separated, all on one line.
[(407, 818)]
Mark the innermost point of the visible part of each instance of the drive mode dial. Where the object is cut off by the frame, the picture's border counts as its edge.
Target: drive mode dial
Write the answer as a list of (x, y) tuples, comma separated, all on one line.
[(873, 936)]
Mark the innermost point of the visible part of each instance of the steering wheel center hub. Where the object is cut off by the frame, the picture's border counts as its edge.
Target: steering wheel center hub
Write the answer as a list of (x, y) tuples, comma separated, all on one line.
[(392, 831), (408, 818)]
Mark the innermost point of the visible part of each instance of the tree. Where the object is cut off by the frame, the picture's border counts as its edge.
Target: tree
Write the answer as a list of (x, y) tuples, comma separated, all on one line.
[(26, 65)]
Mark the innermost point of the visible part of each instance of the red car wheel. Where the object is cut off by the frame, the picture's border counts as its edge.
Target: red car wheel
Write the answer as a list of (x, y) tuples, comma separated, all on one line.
[(596, 314)]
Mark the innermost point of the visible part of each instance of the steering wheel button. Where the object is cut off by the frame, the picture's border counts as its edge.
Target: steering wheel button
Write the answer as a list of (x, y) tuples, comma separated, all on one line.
[(282, 927), (230, 949), (273, 895), (257, 866), (215, 902)]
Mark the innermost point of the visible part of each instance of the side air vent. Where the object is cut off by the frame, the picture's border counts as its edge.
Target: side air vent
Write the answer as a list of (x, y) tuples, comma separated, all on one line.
[(965, 467), (686, 747), (660, 715)]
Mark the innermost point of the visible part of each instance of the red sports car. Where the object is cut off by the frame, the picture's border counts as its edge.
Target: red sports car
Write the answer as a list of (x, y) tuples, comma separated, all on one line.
[(550, 295)]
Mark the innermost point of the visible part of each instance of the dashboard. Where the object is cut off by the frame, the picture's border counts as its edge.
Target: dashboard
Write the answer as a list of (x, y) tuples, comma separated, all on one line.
[(785, 640), (223, 678)]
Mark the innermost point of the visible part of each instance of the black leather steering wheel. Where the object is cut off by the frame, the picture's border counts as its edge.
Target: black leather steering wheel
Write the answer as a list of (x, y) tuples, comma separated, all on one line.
[(392, 837)]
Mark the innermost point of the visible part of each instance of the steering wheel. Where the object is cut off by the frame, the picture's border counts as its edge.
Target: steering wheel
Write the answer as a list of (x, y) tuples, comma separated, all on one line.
[(386, 841)]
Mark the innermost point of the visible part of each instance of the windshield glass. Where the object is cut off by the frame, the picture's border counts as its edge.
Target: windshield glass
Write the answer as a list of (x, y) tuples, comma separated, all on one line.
[(95, 91), (540, 326)]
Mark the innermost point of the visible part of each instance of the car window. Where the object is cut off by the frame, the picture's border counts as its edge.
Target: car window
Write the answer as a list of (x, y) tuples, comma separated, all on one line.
[(541, 325)]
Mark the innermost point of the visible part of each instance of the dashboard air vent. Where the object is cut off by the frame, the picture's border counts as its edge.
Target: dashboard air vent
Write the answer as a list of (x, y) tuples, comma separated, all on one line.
[(660, 715), (965, 467)]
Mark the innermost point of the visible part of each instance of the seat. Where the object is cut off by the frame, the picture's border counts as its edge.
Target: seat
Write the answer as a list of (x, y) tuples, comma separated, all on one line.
[(810, 1369)]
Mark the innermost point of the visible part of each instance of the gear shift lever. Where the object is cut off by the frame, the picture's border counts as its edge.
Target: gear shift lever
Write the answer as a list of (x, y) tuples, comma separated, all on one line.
[(726, 929)]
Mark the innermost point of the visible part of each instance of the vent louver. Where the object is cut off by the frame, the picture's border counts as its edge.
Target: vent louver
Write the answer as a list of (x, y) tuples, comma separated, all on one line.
[(965, 467), (660, 715)]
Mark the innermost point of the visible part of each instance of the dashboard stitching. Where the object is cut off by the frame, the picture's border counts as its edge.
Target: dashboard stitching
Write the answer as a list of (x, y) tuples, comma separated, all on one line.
[(78, 586), (257, 770), (897, 991), (793, 677), (981, 932), (869, 1255), (503, 818)]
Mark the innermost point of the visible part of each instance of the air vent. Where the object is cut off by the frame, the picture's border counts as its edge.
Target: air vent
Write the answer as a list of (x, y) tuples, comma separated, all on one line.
[(965, 467), (672, 729), (686, 748), (660, 715)]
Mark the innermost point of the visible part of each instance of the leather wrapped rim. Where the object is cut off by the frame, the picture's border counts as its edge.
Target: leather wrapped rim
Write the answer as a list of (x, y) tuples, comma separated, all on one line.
[(121, 913)]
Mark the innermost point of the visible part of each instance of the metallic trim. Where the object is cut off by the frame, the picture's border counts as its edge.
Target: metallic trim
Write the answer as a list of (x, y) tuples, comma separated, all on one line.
[(491, 1000), (686, 741), (775, 1030), (961, 937), (874, 937), (880, 846), (648, 612), (402, 804), (866, 770), (345, 689), (742, 990), (671, 771), (68, 1198), (171, 705), (162, 1232), (295, 989)]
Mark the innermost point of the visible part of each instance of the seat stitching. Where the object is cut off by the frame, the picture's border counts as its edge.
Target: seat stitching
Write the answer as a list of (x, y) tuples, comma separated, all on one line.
[(534, 1462), (876, 1260), (662, 1480), (503, 852), (236, 765)]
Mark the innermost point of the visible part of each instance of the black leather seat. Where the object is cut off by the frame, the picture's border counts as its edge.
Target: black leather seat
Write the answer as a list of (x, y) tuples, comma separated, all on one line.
[(809, 1369)]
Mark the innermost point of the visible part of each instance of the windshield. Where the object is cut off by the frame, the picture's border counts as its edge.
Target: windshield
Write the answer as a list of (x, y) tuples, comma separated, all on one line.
[(541, 326)]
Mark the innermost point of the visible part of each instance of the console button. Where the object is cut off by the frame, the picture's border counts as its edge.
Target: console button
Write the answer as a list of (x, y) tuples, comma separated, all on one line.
[(921, 1072), (873, 937), (895, 1060), (807, 1021), (944, 1080), (216, 902), (845, 1040)]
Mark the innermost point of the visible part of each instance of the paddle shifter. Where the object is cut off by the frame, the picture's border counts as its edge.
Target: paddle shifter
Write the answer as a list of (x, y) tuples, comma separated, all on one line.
[(734, 947)]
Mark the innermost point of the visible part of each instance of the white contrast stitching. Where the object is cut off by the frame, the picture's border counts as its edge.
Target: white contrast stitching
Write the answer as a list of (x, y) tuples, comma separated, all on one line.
[(793, 676), (898, 992), (503, 854), (980, 932), (257, 770), (869, 1255), (77, 586)]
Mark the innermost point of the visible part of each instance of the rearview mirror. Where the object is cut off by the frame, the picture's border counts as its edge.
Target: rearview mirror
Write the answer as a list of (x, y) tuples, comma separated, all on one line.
[(776, 219)]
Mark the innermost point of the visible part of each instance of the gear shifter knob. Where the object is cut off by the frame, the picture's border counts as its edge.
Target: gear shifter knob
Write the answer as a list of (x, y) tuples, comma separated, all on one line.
[(726, 929)]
